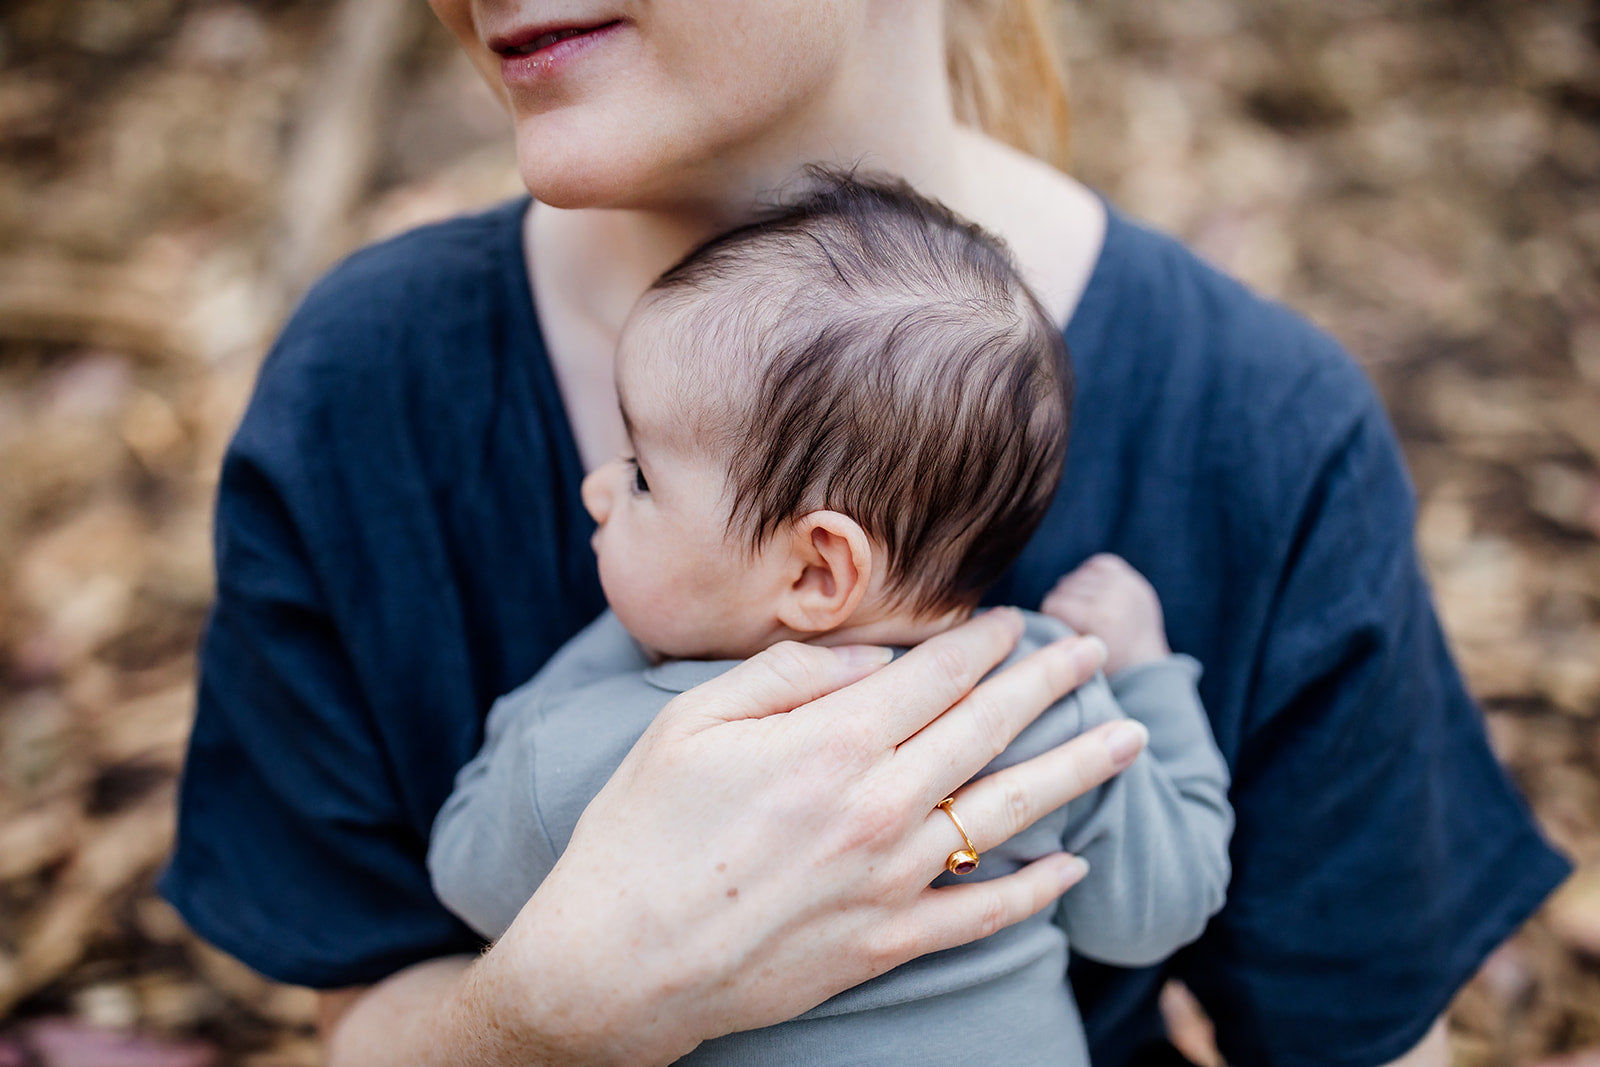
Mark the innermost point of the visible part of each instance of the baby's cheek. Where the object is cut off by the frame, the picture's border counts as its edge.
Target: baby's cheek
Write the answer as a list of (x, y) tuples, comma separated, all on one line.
[(625, 579)]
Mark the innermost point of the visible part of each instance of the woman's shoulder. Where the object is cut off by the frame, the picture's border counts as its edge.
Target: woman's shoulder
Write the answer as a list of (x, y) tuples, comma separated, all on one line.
[(410, 330), (384, 279), (1155, 311), (426, 282), (1208, 373)]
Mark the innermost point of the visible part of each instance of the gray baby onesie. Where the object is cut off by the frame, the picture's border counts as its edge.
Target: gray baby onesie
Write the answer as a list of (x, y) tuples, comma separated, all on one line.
[(1156, 839)]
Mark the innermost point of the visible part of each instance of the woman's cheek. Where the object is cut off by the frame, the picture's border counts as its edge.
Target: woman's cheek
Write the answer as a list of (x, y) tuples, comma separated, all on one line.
[(456, 15), (457, 18)]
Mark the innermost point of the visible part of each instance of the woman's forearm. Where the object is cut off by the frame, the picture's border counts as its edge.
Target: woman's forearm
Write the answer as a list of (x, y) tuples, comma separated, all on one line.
[(633, 949), (449, 1012), (412, 1017), (1432, 1051)]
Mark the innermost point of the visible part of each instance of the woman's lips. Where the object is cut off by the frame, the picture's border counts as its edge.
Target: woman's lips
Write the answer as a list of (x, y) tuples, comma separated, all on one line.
[(535, 55)]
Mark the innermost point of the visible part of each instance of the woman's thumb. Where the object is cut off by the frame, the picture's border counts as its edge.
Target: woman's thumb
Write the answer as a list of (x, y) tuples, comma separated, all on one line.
[(784, 677)]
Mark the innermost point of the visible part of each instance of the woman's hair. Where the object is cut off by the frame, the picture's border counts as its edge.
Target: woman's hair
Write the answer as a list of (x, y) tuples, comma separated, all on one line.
[(1006, 75), (866, 351)]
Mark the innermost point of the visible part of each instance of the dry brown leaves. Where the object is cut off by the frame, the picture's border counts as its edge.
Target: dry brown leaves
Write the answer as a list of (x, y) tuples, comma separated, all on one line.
[(1421, 178)]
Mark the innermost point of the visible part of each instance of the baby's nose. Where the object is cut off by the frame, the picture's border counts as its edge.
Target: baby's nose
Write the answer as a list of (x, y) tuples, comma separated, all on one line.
[(596, 492)]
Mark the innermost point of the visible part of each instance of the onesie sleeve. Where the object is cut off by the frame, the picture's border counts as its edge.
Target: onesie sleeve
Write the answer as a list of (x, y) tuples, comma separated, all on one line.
[(1381, 851), (1155, 836), (489, 849)]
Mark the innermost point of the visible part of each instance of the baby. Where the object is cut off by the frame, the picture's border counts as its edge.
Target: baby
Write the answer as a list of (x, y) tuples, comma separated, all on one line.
[(846, 421)]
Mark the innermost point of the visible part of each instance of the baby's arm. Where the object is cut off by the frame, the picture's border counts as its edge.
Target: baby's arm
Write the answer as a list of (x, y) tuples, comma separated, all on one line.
[(489, 850), (491, 846), (1156, 837)]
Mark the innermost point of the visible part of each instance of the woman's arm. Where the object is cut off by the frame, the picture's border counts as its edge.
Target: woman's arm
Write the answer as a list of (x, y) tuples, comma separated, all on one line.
[(747, 861), (1432, 1051)]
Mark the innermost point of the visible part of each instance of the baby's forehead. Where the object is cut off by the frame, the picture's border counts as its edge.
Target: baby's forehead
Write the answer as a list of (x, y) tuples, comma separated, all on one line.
[(682, 373), (702, 342)]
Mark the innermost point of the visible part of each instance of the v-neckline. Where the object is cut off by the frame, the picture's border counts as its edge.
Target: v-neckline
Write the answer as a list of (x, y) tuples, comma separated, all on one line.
[(1086, 323)]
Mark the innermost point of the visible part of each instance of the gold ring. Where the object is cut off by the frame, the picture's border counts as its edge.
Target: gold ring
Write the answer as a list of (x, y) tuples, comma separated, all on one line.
[(962, 860)]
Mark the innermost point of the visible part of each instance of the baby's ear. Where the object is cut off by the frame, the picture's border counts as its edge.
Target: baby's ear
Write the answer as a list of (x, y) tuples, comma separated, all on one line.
[(831, 568)]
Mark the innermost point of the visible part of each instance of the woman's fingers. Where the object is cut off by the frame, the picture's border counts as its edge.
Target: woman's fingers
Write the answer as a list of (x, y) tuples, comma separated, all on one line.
[(921, 685), (783, 677), (1001, 805), (950, 750), (954, 915)]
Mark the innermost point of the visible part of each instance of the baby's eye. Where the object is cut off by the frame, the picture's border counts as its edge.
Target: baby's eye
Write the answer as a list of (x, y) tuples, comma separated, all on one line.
[(639, 484)]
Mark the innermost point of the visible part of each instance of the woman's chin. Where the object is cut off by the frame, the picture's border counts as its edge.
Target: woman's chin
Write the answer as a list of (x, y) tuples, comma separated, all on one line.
[(596, 174), (566, 190), (622, 158)]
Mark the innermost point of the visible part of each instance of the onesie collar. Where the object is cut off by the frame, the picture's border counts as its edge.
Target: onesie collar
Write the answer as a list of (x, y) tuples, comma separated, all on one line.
[(677, 675)]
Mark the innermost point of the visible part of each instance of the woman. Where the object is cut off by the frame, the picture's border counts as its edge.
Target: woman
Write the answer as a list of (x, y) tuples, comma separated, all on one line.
[(400, 541)]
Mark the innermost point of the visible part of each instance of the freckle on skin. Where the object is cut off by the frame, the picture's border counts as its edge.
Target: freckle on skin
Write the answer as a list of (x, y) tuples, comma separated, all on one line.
[(721, 867), (733, 892)]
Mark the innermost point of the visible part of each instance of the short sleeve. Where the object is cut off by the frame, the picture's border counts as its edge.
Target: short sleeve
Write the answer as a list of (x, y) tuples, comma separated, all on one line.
[(399, 541), (1381, 851), (295, 849)]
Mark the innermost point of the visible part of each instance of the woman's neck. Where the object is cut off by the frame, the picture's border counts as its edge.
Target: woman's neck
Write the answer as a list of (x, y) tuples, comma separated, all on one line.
[(590, 266), (890, 111), (608, 256)]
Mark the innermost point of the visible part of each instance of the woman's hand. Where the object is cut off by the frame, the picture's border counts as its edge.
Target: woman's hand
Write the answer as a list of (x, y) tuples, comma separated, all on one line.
[(747, 861)]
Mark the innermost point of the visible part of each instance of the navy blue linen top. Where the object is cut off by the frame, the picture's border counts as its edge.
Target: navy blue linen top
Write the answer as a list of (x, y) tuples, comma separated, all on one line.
[(400, 540)]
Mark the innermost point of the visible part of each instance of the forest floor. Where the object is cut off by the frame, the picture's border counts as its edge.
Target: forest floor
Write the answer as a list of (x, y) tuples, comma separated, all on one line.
[(1421, 178)]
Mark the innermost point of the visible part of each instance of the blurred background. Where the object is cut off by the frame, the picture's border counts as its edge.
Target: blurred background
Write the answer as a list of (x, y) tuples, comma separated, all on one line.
[(1421, 178)]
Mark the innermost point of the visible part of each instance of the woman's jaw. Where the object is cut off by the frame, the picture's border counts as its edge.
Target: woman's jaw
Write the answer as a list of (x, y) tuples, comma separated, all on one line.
[(691, 108)]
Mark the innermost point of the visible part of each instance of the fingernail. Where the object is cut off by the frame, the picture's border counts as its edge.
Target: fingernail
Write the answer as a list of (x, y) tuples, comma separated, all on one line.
[(1125, 742), (1089, 655), (1072, 871), (863, 655)]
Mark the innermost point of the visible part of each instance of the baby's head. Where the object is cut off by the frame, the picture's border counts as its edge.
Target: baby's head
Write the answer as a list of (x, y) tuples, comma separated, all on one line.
[(847, 420)]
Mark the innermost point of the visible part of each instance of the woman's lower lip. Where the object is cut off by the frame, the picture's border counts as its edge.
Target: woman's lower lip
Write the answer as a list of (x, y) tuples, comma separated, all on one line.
[(527, 70)]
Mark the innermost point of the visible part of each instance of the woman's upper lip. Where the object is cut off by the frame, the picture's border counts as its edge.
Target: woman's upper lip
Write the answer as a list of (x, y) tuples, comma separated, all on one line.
[(520, 39)]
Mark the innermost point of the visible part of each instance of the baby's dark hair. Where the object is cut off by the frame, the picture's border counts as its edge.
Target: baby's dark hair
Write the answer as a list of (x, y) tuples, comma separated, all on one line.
[(886, 361)]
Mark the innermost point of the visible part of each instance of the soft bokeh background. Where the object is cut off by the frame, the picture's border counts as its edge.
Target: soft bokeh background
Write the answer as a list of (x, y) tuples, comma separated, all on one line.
[(1421, 178)]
